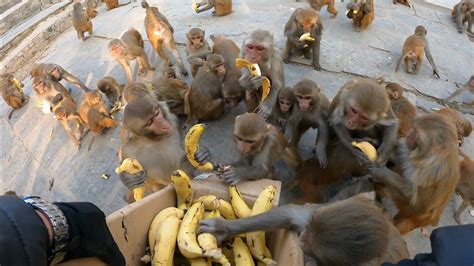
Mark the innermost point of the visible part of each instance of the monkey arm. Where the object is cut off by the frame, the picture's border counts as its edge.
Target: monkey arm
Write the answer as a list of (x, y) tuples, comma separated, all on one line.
[(209, 5), (277, 79), (430, 59), (399, 187), (316, 49), (459, 18), (126, 67), (322, 141), (74, 80), (366, 7), (389, 139), (69, 132), (196, 60)]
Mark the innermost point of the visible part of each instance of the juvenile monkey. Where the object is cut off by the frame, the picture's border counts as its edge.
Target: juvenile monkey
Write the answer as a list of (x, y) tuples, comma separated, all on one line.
[(130, 46), (81, 21), (56, 73), (362, 13), (48, 89), (172, 91), (92, 99), (90, 9), (401, 106), (197, 49), (221, 7), (463, 126), (304, 21), (12, 92), (463, 12), (64, 108), (414, 49), (110, 87), (465, 187), (283, 108)]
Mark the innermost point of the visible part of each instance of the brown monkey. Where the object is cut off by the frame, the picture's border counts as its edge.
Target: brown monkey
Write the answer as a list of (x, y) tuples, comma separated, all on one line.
[(12, 92), (401, 106), (463, 126), (172, 91), (414, 49), (64, 108), (463, 12), (81, 21), (197, 49), (259, 48), (403, 2), (465, 187), (160, 34), (56, 73), (311, 111), (136, 90), (110, 87), (361, 109), (304, 21), (283, 108), (362, 13), (318, 4), (221, 7), (130, 46), (469, 86), (205, 97), (48, 89), (92, 99), (90, 10), (260, 145), (349, 232), (169, 72), (430, 172), (111, 4), (232, 92)]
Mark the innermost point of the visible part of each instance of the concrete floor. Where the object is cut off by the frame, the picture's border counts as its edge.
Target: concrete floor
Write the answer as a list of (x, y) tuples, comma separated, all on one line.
[(31, 157)]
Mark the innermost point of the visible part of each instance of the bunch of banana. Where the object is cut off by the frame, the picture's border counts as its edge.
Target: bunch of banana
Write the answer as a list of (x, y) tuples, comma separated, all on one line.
[(241, 208), (191, 145), (306, 37), (132, 166), (367, 148), (187, 241), (184, 189), (255, 72)]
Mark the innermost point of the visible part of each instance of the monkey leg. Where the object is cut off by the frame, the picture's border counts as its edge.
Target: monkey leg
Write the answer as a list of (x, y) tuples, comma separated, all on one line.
[(80, 35), (331, 9), (159, 49), (457, 215), (173, 50), (152, 185), (287, 52), (75, 81), (194, 70)]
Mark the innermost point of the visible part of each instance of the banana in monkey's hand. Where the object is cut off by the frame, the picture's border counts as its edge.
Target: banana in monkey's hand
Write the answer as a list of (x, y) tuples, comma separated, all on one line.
[(255, 72), (367, 148), (306, 37), (191, 145), (133, 167), (195, 6)]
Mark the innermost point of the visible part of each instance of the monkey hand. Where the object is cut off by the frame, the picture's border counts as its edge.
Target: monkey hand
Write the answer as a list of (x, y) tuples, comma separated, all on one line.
[(322, 158), (231, 177), (360, 156), (252, 83), (202, 155), (316, 66), (264, 111), (199, 61), (218, 227), (132, 181), (379, 173), (300, 45)]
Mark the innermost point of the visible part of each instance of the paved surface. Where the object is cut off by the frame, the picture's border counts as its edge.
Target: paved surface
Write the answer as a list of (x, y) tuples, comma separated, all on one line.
[(31, 158)]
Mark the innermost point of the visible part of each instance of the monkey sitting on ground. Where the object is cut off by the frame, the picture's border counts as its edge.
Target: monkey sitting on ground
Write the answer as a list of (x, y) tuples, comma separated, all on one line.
[(174, 92), (56, 73), (95, 113), (81, 21), (221, 7), (197, 49), (362, 13), (463, 126), (401, 106), (12, 92), (463, 12), (47, 89), (349, 232), (429, 173), (304, 21), (64, 108), (318, 4), (414, 49), (90, 9), (110, 87), (465, 187), (283, 108), (111, 4), (403, 2)]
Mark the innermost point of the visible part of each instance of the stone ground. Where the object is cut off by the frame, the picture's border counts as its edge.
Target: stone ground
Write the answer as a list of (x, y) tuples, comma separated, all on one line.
[(37, 158)]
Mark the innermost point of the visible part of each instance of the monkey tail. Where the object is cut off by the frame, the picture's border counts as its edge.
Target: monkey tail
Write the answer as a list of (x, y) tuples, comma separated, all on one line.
[(90, 143), (145, 4), (11, 113)]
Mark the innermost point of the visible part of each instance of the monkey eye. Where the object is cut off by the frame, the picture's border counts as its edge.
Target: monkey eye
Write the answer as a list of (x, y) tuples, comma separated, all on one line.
[(196, 38), (301, 97), (260, 48), (250, 47)]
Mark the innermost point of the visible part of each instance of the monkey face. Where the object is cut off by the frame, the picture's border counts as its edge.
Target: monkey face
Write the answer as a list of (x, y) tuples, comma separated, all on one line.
[(116, 48), (55, 73), (40, 87), (248, 146), (196, 41), (255, 52), (355, 118), (233, 101), (285, 105), (157, 125), (304, 102), (220, 70), (307, 25)]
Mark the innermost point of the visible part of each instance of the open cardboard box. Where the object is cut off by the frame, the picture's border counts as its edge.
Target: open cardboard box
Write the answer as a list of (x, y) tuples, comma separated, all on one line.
[(129, 225)]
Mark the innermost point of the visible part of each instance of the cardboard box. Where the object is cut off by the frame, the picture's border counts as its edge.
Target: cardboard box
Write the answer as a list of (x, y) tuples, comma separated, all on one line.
[(129, 225)]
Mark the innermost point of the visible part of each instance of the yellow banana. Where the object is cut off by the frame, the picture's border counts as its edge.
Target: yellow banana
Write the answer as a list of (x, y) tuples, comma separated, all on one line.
[(255, 72), (184, 189), (156, 222), (226, 210), (241, 208), (306, 37), (200, 262), (210, 202), (208, 243), (366, 148), (166, 241), (132, 166), (256, 240), (191, 144), (187, 241), (195, 6), (242, 254), (213, 214)]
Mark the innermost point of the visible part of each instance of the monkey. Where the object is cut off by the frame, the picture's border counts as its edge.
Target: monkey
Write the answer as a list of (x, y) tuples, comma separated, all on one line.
[(169, 72), (311, 111), (197, 49), (98, 122), (90, 9), (12, 93), (318, 4), (414, 49), (160, 33), (465, 187), (283, 108), (362, 13), (401, 106), (463, 126), (56, 73), (92, 100), (110, 87), (81, 21), (349, 232), (232, 92), (403, 2), (174, 92), (111, 4), (130, 46), (221, 7), (304, 21), (429, 173), (205, 97), (135, 90), (463, 12), (64, 108), (47, 89), (469, 86), (259, 48), (361, 109)]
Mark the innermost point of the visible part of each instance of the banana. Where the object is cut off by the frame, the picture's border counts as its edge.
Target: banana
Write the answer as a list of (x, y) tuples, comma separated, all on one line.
[(184, 189), (166, 241), (242, 254), (210, 202), (366, 148), (156, 222), (200, 262), (256, 240), (255, 72), (191, 144), (241, 208), (187, 242), (208, 243), (226, 210), (132, 166), (212, 214), (306, 37), (195, 6)]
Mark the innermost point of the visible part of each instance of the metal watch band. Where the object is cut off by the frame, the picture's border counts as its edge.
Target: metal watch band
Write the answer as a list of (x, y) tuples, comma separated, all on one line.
[(57, 218)]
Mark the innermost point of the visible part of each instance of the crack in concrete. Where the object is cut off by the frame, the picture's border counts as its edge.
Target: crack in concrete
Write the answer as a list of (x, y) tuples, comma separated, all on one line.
[(23, 144)]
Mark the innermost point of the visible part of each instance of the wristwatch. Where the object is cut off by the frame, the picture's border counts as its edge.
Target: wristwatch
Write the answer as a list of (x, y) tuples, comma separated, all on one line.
[(57, 219)]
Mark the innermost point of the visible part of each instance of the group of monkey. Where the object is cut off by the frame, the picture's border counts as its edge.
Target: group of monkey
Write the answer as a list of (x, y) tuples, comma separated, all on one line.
[(417, 166)]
